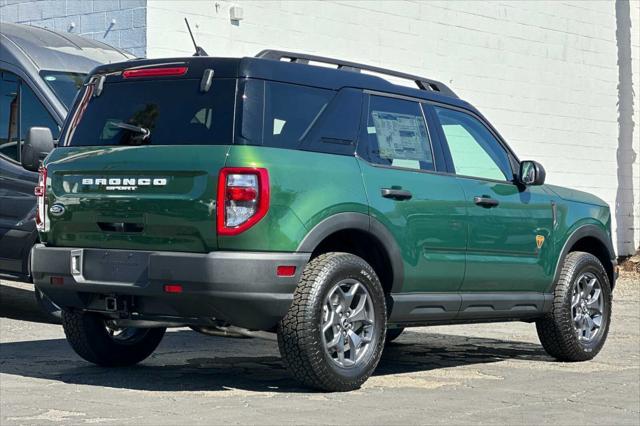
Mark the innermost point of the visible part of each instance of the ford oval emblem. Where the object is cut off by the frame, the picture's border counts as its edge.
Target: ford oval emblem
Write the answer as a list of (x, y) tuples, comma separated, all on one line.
[(56, 210)]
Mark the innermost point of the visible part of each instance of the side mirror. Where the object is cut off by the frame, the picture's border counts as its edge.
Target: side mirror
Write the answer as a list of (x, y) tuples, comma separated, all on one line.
[(532, 173), (36, 146)]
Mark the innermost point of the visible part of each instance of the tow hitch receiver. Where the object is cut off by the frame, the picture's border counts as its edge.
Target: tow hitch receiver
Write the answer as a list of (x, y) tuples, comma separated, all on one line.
[(111, 304), (119, 304)]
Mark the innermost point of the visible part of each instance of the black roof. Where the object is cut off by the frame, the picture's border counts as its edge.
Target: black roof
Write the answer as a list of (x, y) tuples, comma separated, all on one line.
[(421, 83), (293, 72)]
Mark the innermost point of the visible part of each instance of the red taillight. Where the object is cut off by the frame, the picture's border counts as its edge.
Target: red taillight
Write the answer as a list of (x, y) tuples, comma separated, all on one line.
[(154, 72), (243, 198), (286, 271), (173, 288), (41, 194), (241, 194)]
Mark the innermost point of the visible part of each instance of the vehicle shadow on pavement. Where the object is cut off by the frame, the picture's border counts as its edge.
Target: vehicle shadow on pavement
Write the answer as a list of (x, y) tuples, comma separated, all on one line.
[(189, 361), (20, 304), (186, 361)]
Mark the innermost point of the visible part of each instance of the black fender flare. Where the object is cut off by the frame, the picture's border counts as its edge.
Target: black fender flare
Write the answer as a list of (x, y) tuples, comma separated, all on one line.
[(362, 222), (587, 230)]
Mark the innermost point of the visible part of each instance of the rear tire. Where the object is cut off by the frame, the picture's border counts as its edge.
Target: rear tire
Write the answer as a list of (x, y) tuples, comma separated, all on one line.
[(91, 336), (333, 335), (578, 324)]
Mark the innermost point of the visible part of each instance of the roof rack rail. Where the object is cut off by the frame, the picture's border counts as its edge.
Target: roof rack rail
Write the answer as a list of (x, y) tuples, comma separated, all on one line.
[(303, 58)]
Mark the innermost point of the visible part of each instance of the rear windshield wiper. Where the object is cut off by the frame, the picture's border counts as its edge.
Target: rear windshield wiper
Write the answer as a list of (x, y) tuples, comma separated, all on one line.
[(142, 131)]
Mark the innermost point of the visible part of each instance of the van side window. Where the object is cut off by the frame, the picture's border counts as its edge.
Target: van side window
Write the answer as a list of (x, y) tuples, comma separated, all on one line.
[(474, 150), (396, 134), (20, 109), (33, 113), (9, 107)]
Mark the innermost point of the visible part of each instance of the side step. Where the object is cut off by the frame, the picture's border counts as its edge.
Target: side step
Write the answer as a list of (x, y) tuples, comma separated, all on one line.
[(418, 308)]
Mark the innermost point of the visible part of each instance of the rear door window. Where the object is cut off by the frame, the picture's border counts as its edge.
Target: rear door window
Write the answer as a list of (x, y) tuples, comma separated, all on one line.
[(156, 112), (396, 134)]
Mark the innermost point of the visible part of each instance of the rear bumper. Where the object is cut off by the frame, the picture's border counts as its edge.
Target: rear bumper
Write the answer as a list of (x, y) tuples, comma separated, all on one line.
[(241, 288)]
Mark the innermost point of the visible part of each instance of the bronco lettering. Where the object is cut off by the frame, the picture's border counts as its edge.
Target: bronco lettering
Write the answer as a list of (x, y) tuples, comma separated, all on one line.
[(127, 183)]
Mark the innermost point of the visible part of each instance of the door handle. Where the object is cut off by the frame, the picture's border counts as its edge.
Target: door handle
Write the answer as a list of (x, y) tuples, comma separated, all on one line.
[(396, 194), (485, 201)]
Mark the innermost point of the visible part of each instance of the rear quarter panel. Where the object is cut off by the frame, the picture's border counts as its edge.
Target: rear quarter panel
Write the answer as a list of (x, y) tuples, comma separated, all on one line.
[(306, 187)]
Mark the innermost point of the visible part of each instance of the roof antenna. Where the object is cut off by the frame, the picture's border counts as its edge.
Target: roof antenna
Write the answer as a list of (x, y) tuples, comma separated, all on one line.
[(199, 50)]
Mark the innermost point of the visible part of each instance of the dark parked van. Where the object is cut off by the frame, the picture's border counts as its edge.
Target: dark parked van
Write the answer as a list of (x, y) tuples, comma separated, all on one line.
[(40, 73)]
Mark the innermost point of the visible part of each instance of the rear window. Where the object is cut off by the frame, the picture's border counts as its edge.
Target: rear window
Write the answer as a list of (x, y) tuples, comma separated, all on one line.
[(155, 112)]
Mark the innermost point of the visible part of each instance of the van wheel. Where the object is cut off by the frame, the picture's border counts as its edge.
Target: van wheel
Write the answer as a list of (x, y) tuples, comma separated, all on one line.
[(99, 341), (333, 335), (53, 311), (393, 334), (577, 326)]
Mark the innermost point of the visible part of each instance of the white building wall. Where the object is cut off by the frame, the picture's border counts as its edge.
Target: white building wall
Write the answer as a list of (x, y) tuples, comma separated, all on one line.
[(119, 23), (545, 73), (559, 79), (628, 206)]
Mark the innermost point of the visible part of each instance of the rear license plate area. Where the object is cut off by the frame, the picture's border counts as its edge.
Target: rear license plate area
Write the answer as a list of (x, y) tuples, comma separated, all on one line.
[(116, 266)]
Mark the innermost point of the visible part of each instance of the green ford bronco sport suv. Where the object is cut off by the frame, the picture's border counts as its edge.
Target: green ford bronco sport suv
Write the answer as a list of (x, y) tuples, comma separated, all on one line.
[(330, 206)]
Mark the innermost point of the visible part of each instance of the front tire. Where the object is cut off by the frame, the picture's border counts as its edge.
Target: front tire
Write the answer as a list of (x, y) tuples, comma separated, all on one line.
[(577, 326), (333, 335), (96, 340)]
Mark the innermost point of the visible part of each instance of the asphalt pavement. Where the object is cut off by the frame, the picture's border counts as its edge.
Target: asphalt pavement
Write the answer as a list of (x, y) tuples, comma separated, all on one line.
[(481, 374)]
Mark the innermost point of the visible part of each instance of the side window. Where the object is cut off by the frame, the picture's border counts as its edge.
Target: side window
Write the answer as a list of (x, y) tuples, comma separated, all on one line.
[(474, 150), (336, 130), (298, 117), (33, 113), (290, 112), (9, 107), (20, 109), (396, 134)]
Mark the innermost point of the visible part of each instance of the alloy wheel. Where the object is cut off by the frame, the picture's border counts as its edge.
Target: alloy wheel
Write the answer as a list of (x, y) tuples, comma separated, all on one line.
[(347, 325), (587, 306), (124, 335)]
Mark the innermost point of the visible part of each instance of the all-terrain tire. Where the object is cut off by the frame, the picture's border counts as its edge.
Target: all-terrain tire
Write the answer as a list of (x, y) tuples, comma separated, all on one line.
[(556, 330), (89, 336), (300, 338), (393, 334)]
